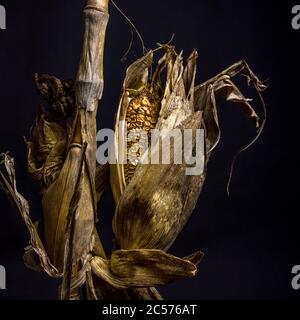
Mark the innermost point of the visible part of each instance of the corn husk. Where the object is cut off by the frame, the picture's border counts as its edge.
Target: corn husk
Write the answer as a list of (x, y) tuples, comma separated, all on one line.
[(155, 205)]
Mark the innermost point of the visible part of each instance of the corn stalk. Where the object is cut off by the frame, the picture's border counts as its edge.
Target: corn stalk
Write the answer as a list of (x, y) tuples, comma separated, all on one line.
[(71, 185)]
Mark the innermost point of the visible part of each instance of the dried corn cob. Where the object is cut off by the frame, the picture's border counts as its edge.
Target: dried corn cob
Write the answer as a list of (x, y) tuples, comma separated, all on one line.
[(142, 114), (153, 208)]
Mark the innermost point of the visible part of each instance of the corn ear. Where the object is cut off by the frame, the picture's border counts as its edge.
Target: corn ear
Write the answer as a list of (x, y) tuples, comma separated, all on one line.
[(156, 202)]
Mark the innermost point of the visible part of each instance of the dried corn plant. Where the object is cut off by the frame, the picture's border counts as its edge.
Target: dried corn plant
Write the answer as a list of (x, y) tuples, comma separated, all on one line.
[(153, 201)]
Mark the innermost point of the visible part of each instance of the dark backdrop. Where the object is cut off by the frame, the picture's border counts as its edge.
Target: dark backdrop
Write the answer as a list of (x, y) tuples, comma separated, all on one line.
[(250, 239)]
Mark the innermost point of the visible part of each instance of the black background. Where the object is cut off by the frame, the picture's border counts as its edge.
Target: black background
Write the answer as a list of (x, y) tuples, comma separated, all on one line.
[(251, 239)]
